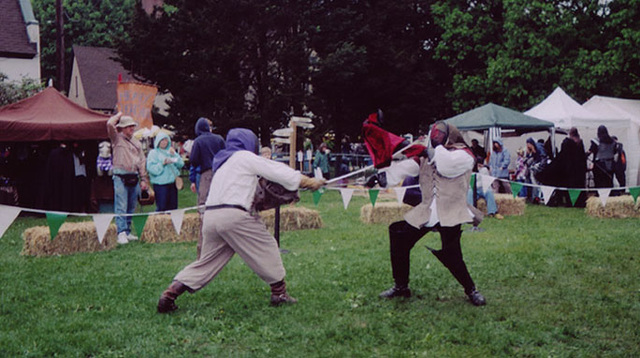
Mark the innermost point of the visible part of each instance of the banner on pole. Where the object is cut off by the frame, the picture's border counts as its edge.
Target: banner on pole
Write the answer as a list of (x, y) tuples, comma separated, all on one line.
[(136, 100)]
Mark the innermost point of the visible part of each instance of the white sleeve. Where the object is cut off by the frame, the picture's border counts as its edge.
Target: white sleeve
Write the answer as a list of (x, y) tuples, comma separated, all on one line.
[(275, 172), (452, 163), (398, 170)]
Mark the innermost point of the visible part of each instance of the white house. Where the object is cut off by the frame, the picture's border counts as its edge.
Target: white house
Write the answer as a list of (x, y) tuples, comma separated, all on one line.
[(19, 41)]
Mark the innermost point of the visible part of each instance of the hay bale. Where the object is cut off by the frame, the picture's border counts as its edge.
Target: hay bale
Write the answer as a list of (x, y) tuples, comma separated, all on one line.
[(292, 218), (383, 212), (82, 236), (159, 228), (507, 205), (71, 238), (617, 207)]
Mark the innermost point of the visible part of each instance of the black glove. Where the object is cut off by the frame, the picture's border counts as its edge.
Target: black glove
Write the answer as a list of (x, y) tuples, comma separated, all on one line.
[(379, 179), (372, 181)]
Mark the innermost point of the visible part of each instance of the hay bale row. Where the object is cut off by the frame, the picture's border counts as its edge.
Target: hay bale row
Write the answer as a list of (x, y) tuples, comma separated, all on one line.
[(617, 207), (507, 205), (159, 228), (82, 236), (383, 212), (71, 238), (293, 218)]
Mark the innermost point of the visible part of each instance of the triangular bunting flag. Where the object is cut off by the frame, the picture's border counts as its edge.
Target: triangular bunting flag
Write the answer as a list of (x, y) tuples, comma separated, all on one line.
[(574, 194), (138, 222), (373, 196), (604, 195), (634, 193), (176, 218), (346, 196), (102, 222), (516, 186), (54, 221), (547, 191), (487, 180), (400, 193), (7, 215), (316, 197)]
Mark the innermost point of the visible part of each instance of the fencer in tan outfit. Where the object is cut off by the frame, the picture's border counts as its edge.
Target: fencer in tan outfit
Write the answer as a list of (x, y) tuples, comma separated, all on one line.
[(228, 226)]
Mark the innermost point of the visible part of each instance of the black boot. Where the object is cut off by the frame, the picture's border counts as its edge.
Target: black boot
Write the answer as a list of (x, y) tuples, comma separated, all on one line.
[(396, 291), (279, 294), (476, 298), (167, 300)]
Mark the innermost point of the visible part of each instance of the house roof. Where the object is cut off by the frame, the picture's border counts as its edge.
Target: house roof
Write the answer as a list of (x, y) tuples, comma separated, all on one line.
[(99, 72), (14, 40)]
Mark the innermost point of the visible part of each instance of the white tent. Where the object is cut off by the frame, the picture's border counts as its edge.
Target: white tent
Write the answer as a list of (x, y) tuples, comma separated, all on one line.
[(565, 112), (625, 108)]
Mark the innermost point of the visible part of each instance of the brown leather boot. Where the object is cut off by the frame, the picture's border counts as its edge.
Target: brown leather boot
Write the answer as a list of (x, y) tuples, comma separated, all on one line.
[(167, 300), (279, 294)]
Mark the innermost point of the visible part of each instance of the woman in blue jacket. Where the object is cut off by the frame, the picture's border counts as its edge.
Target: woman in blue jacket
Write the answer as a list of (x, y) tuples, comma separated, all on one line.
[(163, 166)]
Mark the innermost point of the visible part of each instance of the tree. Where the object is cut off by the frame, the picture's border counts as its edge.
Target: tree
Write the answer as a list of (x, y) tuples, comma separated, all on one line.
[(375, 54), (86, 22), (514, 52), (240, 63), (11, 92)]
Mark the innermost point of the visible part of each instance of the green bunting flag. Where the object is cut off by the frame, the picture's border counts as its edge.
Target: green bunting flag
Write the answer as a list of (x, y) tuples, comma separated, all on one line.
[(634, 193), (574, 194), (316, 196), (472, 182), (373, 195), (515, 188), (139, 221), (55, 221)]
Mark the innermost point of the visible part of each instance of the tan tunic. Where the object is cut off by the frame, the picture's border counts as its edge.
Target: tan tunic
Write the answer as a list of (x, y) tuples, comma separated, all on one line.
[(450, 195)]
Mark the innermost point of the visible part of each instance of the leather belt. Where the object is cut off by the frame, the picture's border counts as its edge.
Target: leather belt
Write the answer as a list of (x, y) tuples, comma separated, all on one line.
[(225, 206)]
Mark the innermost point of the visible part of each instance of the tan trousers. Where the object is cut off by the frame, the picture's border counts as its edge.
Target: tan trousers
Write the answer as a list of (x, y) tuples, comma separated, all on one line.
[(204, 185), (203, 193), (229, 231)]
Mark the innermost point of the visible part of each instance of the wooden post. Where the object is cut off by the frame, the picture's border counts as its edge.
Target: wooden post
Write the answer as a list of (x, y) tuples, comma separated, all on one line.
[(292, 145), (60, 45)]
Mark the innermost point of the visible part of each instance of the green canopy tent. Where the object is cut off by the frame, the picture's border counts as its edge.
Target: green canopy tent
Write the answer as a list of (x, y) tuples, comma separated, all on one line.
[(497, 121), (494, 116)]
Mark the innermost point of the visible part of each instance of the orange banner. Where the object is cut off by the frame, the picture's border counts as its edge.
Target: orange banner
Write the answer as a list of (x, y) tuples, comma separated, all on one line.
[(136, 100)]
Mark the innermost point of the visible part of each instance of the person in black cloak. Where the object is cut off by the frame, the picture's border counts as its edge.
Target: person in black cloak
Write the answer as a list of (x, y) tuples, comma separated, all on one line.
[(569, 169), (603, 150), (57, 191)]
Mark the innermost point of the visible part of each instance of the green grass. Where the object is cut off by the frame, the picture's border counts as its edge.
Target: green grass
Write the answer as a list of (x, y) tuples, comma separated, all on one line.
[(558, 283)]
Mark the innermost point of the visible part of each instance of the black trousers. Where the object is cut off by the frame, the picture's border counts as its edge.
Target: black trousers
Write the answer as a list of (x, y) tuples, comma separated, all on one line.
[(403, 237)]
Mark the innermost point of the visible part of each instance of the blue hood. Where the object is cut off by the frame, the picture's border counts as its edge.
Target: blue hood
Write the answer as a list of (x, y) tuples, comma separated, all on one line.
[(160, 136), (202, 126), (237, 139)]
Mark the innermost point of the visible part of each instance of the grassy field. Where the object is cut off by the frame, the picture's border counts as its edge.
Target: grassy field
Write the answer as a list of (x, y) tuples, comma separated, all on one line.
[(558, 284)]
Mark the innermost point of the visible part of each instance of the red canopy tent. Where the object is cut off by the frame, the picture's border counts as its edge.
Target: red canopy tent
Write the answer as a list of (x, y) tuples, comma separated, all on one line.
[(48, 116)]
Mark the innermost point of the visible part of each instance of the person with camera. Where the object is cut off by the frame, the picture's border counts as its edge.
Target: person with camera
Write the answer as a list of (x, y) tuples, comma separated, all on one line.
[(129, 172)]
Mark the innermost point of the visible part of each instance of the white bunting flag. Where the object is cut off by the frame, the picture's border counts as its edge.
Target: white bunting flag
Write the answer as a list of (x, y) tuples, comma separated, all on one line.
[(7, 215), (102, 222), (487, 180), (176, 218), (604, 195), (400, 193), (346, 196), (547, 191)]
